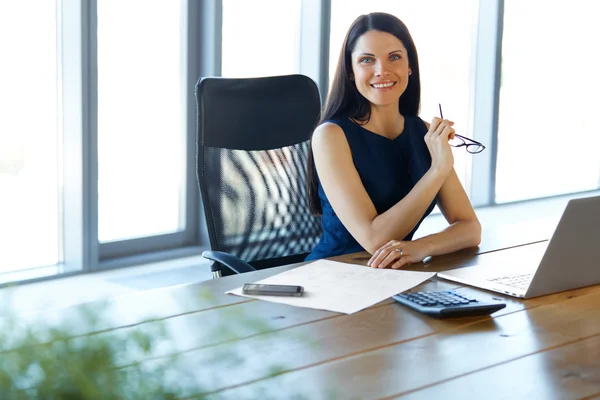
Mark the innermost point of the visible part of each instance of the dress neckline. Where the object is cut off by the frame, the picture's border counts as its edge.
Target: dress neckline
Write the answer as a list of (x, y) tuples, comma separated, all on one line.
[(381, 136)]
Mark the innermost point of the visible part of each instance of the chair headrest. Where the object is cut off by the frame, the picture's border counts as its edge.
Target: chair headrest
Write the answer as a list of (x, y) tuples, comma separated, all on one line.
[(256, 113)]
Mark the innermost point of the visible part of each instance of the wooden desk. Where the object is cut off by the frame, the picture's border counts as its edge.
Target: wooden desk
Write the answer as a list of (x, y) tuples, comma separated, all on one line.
[(542, 348)]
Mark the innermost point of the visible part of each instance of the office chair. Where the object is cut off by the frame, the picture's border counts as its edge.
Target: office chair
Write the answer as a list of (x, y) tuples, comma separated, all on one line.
[(252, 143)]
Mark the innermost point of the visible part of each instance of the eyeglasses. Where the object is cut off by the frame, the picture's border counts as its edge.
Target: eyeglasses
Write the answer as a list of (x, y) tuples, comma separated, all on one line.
[(459, 141), (472, 146)]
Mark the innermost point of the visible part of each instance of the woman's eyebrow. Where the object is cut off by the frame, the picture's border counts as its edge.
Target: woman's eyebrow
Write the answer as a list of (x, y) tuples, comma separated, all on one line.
[(390, 53)]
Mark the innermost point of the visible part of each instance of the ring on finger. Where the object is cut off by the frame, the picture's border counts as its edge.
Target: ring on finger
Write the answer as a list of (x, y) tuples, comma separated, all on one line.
[(399, 251)]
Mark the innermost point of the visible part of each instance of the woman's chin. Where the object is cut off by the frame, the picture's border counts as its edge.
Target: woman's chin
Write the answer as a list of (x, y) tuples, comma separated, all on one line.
[(383, 99), (383, 103)]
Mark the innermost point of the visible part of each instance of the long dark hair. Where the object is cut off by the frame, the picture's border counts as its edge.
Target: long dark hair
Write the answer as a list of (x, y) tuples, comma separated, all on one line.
[(344, 99)]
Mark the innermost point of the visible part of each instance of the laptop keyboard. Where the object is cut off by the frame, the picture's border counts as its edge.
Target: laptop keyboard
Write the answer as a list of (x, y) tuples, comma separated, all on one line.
[(520, 281)]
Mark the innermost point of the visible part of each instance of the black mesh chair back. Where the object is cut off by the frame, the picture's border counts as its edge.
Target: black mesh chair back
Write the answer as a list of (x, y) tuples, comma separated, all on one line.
[(252, 145)]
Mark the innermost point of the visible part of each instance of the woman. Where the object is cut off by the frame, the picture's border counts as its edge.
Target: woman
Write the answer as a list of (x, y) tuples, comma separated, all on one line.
[(375, 169)]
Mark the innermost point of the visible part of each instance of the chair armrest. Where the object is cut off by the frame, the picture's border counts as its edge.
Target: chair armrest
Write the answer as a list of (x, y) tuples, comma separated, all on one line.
[(230, 261)]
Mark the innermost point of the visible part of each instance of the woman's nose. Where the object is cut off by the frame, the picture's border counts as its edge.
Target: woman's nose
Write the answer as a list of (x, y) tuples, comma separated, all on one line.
[(381, 68)]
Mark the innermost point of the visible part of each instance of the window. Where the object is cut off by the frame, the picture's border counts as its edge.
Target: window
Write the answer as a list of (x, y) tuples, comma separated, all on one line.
[(547, 135), (29, 135), (260, 38), (141, 104), (444, 34), (97, 100)]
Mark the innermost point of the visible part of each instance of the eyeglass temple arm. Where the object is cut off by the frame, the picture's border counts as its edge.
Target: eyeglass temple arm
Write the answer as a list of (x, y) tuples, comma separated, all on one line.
[(469, 139)]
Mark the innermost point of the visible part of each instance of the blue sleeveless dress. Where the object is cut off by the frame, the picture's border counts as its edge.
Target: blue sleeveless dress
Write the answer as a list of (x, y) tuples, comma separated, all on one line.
[(388, 169)]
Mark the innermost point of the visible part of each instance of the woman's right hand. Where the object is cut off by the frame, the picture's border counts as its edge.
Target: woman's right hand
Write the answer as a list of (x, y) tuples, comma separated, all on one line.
[(437, 137)]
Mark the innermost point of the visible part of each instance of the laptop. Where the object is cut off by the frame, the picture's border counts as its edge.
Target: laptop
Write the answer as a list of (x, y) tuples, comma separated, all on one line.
[(570, 260)]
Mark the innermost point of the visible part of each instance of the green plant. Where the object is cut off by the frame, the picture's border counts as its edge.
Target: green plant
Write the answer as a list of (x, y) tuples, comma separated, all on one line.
[(41, 361), (79, 356)]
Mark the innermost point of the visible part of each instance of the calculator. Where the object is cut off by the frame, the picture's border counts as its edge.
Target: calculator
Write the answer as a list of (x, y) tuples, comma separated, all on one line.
[(447, 304)]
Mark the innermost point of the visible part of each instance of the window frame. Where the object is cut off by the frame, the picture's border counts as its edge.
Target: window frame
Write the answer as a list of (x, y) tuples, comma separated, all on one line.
[(202, 37)]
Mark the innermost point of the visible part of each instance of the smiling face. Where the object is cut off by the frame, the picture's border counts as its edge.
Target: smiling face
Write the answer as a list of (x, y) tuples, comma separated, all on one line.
[(380, 67)]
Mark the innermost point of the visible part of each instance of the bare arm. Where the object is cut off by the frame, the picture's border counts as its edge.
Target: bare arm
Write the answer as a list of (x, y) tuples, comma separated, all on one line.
[(464, 230), (349, 199)]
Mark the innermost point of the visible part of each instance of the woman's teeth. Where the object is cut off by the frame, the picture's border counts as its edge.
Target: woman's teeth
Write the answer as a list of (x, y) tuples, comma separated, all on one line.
[(383, 85)]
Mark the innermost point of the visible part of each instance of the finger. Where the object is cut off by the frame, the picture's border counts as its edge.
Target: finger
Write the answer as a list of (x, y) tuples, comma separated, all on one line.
[(444, 136), (451, 134), (379, 251), (448, 130), (375, 258), (381, 257), (440, 128), (434, 124), (377, 262), (390, 259), (402, 262)]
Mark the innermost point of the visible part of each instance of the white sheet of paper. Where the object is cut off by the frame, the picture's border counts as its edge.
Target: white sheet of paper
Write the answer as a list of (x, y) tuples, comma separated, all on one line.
[(340, 287)]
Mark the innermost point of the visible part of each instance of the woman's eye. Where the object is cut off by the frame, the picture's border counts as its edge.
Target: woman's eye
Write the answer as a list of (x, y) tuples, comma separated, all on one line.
[(395, 57), (365, 60)]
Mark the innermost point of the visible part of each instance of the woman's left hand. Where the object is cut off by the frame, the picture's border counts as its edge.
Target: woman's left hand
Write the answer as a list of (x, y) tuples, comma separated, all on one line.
[(397, 254)]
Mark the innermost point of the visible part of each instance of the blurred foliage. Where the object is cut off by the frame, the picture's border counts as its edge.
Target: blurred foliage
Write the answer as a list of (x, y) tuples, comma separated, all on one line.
[(79, 354), (42, 361)]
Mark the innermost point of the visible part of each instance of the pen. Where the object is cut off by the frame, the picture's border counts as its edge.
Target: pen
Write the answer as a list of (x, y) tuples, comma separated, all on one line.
[(441, 115)]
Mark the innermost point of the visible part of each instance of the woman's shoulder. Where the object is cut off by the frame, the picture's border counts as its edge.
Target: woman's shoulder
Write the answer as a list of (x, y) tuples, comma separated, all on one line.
[(330, 127), (328, 133), (331, 123), (415, 122)]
